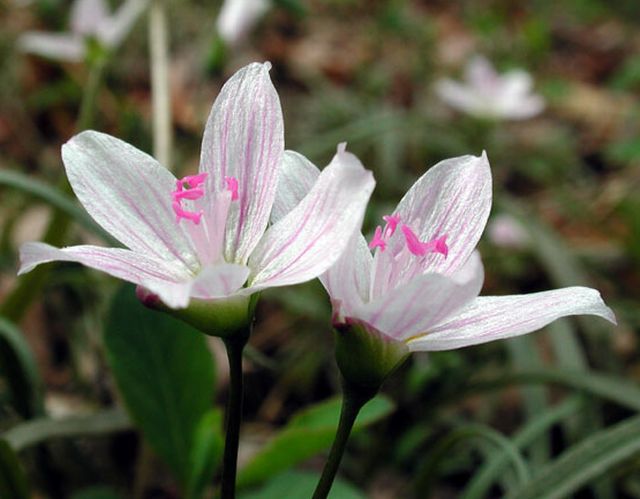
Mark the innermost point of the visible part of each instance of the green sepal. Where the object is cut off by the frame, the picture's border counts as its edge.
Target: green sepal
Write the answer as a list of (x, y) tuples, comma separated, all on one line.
[(224, 318), (365, 356)]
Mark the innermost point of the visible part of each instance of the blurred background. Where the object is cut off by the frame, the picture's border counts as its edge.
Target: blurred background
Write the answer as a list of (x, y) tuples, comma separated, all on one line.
[(477, 422)]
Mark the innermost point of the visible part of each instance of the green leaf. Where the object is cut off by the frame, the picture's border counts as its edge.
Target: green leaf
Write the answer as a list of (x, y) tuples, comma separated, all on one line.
[(309, 432), (165, 373), (37, 189), (13, 481), (18, 367), (300, 485), (583, 462), (39, 430), (205, 453)]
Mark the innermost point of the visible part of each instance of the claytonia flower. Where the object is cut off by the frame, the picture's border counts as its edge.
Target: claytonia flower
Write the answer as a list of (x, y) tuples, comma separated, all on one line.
[(485, 93), (415, 285), (205, 237), (238, 17), (90, 20)]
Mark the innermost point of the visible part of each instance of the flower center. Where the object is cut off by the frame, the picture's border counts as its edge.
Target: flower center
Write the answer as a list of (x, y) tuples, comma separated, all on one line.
[(211, 209)]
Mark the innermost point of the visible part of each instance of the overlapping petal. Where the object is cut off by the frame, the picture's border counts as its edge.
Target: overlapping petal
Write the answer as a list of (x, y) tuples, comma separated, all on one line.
[(129, 194), (297, 176), (348, 281), (454, 199), (244, 139), (490, 318), (219, 281), (308, 240), (166, 279), (424, 301)]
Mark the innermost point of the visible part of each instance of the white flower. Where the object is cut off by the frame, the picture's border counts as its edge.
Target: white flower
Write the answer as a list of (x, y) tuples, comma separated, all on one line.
[(89, 19), (419, 289), (207, 236), (485, 93)]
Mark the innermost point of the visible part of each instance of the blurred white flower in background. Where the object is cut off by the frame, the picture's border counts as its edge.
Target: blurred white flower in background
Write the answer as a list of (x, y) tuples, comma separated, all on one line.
[(485, 93), (90, 19), (507, 232), (238, 17)]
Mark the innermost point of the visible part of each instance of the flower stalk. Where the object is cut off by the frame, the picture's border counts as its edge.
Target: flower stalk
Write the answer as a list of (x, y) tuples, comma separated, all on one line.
[(354, 398), (235, 346)]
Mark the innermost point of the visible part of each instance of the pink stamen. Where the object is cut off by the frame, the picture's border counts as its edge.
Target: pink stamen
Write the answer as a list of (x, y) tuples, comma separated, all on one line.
[(232, 186), (392, 223), (420, 248), (377, 241), (187, 188)]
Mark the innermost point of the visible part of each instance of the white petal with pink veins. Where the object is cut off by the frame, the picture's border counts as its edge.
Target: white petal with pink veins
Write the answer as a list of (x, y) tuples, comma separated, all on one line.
[(307, 241), (452, 199), (425, 301), (244, 139), (348, 280), (490, 318), (167, 280), (219, 281), (129, 194), (297, 176)]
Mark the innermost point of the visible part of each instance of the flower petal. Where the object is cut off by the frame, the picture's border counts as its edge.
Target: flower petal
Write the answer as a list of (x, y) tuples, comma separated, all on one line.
[(425, 301), (169, 282), (347, 281), (310, 239), (490, 318), (129, 194), (244, 139), (454, 199), (87, 16), (297, 176), (62, 46), (219, 281), (114, 29)]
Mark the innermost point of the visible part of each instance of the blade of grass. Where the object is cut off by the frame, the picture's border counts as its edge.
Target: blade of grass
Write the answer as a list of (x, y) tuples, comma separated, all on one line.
[(536, 427), (583, 462)]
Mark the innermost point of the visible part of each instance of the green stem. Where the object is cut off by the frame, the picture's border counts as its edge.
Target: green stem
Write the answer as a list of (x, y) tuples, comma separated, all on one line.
[(19, 299), (235, 346), (88, 106), (352, 401)]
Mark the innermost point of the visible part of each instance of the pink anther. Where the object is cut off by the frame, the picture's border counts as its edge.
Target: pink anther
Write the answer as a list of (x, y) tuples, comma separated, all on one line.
[(232, 186), (182, 213), (420, 248), (187, 188), (188, 194), (377, 241), (195, 180), (392, 223)]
